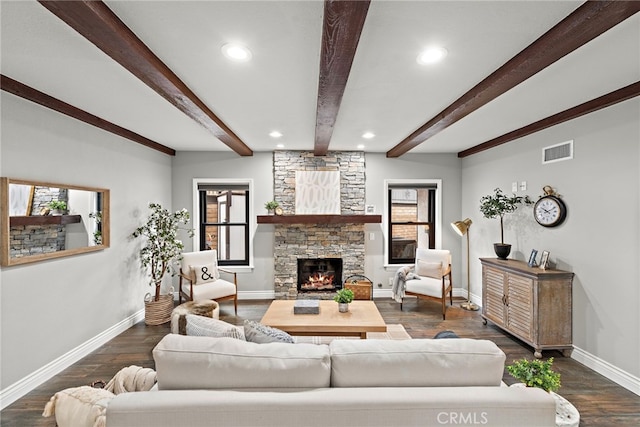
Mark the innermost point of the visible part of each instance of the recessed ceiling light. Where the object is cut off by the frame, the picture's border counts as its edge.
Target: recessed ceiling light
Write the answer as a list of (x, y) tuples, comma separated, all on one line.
[(236, 52), (431, 55), (360, 147), (280, 146), (368, 135), (275, 134)]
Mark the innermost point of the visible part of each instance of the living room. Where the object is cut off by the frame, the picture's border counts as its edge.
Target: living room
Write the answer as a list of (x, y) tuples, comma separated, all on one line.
[(77, 303)]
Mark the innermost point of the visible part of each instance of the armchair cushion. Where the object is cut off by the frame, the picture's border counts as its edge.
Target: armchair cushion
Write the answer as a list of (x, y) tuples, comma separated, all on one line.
[(211, 290), (204, 273), (429, 269)]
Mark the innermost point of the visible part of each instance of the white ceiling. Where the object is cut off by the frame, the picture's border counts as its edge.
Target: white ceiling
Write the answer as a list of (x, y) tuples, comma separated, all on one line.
[(387, 93)]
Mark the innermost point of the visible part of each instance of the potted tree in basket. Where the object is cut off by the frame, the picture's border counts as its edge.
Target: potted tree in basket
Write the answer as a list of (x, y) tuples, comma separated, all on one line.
[(343, 297), (161, 249), (499, 204)]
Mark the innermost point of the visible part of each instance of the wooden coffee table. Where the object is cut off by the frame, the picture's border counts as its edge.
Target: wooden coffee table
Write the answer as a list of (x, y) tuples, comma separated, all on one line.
[(362, 317)]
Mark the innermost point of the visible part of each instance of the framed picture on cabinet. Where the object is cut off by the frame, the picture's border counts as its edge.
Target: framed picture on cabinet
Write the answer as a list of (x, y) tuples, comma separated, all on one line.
[(544, 261), (532, 258)]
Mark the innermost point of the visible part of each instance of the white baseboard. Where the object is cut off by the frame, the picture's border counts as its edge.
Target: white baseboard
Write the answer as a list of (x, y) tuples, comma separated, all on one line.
[(617, 375), (18, 389), (256, 295)]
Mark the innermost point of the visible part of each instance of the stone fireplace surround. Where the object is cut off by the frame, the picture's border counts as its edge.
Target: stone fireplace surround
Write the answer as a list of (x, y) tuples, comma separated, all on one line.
[(341, 240)]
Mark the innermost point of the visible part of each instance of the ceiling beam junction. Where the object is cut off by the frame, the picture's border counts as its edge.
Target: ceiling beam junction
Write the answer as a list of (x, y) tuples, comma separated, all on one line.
[(23, 91), (98, 24), (341, 29), (584, 24)]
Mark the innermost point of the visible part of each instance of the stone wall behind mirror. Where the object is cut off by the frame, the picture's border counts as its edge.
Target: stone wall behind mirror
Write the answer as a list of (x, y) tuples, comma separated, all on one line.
[(35, 229)]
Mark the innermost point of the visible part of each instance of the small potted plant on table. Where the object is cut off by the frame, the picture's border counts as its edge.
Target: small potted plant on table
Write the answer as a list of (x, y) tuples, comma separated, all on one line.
[(343, 297)]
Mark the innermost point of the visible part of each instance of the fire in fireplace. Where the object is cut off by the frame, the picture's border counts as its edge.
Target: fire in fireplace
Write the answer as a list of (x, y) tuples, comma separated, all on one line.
[(319, 274)]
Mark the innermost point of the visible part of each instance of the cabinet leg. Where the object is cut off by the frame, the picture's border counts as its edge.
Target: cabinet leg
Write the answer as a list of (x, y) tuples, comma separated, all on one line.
[(484, 322), (537, 354), (567, 352)]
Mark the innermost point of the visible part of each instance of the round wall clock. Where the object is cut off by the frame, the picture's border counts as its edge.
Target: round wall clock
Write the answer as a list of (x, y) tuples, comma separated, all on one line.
[(549, 210)]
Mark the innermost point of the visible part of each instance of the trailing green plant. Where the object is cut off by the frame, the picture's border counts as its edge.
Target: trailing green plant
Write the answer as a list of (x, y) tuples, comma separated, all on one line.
[(162, 246), (271, 205), (58, 205), (97, 235), (344, 296), (535, 373), (499, 204)]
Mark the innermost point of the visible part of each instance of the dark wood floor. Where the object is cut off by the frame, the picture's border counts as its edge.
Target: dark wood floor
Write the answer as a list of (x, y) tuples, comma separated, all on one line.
[(600, 401)]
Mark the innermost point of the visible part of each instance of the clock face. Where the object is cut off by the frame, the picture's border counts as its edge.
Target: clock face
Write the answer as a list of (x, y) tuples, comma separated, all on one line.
[(549, 211)]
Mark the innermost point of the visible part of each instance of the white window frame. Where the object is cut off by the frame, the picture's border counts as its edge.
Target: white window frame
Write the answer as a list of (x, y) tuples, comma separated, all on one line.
[(252, 217), (385, 216)]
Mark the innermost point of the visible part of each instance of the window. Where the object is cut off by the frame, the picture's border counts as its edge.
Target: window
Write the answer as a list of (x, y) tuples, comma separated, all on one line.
[(223, 221), (412, 220)]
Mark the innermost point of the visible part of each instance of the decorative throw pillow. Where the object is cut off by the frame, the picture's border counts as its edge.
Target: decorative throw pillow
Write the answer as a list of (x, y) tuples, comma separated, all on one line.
[(262, 334), (207, 327), (79, 407), (429, 269), (204, 273)]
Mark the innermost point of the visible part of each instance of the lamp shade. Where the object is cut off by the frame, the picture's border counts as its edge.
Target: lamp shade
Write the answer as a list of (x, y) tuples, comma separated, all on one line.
[(461, 227)]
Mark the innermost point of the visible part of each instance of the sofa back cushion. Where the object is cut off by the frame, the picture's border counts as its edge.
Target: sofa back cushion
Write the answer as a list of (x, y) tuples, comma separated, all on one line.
[(188, 362), (416, 363)]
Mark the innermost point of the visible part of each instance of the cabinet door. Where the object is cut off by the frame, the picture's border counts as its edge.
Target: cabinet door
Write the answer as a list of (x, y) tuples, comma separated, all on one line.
[(494, 281), (520, 306)]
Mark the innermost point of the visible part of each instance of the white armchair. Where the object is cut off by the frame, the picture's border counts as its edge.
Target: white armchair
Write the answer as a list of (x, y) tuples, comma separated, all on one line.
[(433, 267), (200, 279)]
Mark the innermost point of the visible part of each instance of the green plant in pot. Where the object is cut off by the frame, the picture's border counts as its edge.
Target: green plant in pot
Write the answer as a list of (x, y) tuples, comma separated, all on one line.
[(535, 373), (497, 205), (58, 207), (343, 297), (160, 250), (271, 206)]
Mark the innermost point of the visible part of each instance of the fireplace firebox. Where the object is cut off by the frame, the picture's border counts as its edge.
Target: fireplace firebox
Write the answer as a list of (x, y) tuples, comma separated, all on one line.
[(319, 274)]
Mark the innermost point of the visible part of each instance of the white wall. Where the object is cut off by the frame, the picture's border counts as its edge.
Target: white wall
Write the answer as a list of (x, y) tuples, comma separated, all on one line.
[(599, 241), (49, 308)]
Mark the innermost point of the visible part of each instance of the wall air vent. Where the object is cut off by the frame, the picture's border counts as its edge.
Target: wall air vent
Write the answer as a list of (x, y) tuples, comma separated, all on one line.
[(557, 152)]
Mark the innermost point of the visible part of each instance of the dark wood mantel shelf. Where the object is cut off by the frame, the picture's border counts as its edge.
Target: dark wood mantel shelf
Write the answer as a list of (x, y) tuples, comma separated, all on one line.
[(319, 219), (44, 220)]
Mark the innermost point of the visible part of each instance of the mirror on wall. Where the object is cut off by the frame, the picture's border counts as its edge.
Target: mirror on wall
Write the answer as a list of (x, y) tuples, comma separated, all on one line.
[(44, 220)]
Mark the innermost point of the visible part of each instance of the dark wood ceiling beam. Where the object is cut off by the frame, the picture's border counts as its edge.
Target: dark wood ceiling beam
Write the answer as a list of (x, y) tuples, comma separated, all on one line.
[(341, 29), (583, 25), (596, 104), (23, 91), (98, 24)]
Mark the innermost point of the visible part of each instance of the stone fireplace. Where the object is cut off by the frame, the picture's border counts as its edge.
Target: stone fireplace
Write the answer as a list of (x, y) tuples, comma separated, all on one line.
[(294, 241)]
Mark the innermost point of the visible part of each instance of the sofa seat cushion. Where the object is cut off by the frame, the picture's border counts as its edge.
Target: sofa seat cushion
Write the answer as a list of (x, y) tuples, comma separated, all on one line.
[(416, 363), (188, 362)]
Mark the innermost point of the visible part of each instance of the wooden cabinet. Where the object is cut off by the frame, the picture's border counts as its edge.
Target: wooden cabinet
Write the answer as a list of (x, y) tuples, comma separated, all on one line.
[(532, 304)]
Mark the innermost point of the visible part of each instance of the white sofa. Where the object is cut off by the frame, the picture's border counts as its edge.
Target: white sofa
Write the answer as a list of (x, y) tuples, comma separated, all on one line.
[(205, 381)]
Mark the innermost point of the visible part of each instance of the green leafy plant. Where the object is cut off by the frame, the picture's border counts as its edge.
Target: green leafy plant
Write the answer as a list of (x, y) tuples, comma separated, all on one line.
[(499, 204), (162, 246), (58, 205), (344, 296), (271, 205), (97, 235), (535, 373)]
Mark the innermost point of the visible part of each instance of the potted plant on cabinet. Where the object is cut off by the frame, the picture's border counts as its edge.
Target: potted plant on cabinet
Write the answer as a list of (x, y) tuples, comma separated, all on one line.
[(343, 297), (161, 249), (499, 204)]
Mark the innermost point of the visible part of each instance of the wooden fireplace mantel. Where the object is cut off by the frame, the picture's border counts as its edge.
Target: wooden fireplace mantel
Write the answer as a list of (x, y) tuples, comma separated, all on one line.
[(319, 219)]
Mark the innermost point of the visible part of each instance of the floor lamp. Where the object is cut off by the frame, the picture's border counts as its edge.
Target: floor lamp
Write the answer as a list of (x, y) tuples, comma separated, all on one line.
[(462, 228)]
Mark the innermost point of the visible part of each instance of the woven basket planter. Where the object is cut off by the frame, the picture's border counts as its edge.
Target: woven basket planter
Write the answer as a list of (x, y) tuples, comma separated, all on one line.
[(158, 312)]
